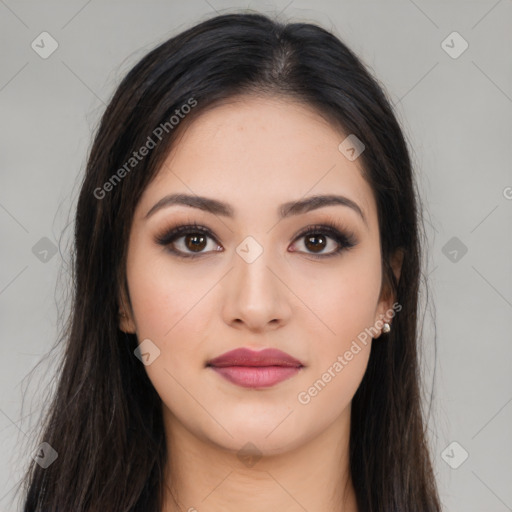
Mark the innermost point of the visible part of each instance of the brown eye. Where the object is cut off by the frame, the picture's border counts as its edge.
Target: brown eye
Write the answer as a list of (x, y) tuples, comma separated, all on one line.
[(195, 242), (317, 240), (188, 241), (315, 243)]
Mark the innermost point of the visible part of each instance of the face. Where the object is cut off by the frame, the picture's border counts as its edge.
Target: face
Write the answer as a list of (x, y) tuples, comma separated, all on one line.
[(251, 274)]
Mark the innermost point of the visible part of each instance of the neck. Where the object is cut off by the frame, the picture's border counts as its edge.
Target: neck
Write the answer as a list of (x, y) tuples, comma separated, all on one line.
[(202, 476)]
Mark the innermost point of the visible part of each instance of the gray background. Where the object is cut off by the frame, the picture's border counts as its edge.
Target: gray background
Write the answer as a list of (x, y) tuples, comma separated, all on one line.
[(457, 116)]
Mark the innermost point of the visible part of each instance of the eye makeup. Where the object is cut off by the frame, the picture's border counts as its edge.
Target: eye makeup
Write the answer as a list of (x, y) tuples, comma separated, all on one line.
[(330, 229)]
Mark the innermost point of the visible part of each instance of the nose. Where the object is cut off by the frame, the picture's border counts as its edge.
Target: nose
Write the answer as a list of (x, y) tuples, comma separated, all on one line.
[(256, 296)]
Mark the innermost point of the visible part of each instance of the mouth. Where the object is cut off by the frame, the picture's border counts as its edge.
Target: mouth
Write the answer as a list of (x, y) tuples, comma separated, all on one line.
[(250, 369)]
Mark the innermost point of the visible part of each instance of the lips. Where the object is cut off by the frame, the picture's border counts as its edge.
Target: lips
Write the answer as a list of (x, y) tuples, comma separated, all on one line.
[(246, 357), (250, 369)]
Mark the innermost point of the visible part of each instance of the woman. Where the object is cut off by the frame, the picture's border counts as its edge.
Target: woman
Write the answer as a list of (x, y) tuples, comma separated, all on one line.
[(244, 327)]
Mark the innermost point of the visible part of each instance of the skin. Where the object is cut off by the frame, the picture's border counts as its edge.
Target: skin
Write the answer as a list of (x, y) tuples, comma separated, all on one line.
[(256, 154)]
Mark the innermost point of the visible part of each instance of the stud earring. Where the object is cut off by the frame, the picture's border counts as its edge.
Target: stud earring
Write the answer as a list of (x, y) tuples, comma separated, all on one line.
[(386, 327)]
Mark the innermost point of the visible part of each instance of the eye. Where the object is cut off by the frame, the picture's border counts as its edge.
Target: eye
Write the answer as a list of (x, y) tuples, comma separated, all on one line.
[(194, 239), (316, 239)]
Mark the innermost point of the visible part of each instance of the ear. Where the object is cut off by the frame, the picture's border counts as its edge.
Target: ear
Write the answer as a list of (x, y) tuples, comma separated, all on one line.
[(387, 298), (126, 322)]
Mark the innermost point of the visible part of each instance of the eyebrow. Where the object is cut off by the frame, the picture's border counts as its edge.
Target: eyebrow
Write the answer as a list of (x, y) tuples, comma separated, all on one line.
[(285, 210)]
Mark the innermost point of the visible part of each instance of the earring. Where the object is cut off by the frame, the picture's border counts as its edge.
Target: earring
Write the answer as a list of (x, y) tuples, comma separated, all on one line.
[(386, 327)]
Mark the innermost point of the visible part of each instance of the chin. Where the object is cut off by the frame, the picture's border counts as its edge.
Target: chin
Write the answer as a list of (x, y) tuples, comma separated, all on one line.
[(261, 439)]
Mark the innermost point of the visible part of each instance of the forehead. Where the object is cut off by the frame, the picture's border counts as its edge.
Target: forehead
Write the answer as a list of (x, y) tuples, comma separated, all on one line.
[(260, 152)]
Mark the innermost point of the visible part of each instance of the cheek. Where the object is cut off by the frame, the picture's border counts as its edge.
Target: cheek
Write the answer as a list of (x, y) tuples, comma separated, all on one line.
[(170, 309), (164, 299), (331, 389), (345, 303), (342, 301), (345, 306)]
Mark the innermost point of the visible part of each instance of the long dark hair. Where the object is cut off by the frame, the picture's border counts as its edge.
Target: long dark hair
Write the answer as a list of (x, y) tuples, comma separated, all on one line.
[(105, 418)]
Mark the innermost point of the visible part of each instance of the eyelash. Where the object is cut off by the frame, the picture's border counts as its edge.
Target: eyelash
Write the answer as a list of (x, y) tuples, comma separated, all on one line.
[(344, 238)]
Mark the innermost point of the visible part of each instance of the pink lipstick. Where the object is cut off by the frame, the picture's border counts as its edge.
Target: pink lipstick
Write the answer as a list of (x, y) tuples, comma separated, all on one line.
[(250, 369)]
